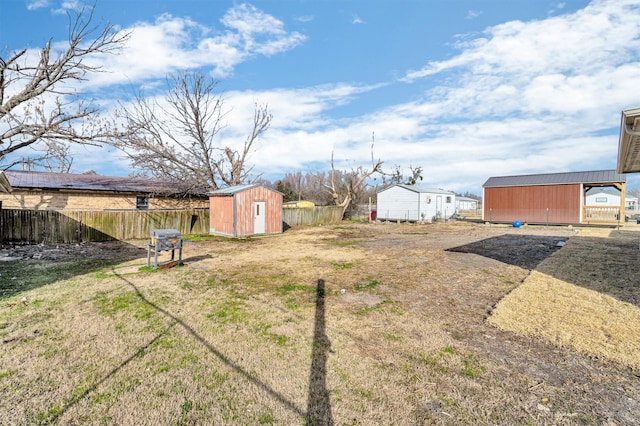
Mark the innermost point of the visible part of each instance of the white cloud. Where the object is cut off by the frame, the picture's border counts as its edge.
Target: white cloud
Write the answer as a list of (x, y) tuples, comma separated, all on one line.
[(172, 43), (305, 18), (357, 20), (37, 4), (69, 5), (472, 14), (523, 97)]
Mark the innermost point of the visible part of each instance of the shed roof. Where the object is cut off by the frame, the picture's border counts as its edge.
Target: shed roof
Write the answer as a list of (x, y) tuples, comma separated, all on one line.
[(17, 179), (230, 190), (234, 189), (421, 189), (629, 142), (597, 177)]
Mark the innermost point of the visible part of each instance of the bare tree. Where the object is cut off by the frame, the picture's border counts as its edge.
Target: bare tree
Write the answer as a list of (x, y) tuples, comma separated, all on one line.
[(345, 187), (36, 102), (396, 176), (179, 141), (58, 157)]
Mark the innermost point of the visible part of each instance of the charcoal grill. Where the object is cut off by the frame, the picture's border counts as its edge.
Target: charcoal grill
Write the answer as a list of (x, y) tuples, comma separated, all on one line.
[(165, 240)]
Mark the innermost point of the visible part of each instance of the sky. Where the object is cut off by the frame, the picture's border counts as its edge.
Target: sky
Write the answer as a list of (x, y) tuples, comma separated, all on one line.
[(465, 89)]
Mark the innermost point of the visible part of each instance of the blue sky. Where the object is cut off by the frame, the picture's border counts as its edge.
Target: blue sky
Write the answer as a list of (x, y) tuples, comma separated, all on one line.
[(465, 89)]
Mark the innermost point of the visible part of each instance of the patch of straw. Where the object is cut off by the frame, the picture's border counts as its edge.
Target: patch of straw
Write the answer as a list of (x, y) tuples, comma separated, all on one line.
[(572, 316)]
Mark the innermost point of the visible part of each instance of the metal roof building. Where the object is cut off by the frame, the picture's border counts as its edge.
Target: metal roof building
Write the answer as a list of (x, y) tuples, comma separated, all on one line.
[(244, 210), (553, 198), (414, 203), (14, 179), (68, 191)]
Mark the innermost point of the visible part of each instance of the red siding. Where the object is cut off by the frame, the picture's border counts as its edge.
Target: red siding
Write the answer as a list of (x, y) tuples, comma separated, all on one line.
[(244, 210), (222, 211), (529, 204), (221, 215)]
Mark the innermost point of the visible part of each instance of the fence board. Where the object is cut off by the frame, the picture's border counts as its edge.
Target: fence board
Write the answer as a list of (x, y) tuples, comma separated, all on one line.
[(49, 226), (61, 226), (312, 215)]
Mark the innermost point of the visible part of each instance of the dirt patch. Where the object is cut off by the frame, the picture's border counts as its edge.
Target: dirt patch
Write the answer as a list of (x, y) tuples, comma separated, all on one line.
[(346, 324)]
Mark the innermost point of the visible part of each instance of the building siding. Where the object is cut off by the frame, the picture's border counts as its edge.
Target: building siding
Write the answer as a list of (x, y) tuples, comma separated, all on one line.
[(232, 215), (529, 204), (70, 200), (400, 203), (221, 217), (600, 197)]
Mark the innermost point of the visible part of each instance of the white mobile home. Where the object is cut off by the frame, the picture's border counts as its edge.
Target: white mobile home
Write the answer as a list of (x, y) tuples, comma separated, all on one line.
[(609, 197), (413, 203), (602, 197), (465, 203)]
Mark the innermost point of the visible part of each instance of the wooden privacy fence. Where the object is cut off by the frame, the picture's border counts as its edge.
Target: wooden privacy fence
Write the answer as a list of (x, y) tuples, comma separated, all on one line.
[(49, 226), (311, 215)]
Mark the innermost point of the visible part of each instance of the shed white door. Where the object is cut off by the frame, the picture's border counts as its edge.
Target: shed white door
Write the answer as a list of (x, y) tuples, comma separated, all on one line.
[(259, 217)]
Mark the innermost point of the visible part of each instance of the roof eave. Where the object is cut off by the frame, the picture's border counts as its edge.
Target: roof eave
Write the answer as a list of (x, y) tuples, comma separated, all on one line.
[(629, 142)]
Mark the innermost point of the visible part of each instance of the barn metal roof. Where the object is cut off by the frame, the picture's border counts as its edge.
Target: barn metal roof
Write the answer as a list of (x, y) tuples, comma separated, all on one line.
[(14, 179), (593, 177), (629, 143)]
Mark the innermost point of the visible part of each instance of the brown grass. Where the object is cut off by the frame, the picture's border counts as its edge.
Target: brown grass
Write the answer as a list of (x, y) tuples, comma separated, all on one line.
[(260, 332), (590, 305)]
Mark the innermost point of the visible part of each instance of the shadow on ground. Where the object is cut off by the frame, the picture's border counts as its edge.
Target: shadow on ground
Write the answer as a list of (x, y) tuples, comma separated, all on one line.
[(525, 251), (25, 267), (607, 265)]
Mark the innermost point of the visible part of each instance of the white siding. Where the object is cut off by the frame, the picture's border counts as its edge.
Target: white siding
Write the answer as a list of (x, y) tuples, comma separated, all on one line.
[(397, 203), (400, 203), (601, 198)]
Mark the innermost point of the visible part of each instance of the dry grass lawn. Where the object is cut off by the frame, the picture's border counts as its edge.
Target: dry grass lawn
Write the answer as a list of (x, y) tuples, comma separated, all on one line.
[(352, 324)]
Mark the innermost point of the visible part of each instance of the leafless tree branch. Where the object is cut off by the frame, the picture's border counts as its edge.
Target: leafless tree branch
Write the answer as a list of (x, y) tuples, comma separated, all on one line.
[(179, 142), (34, 107)]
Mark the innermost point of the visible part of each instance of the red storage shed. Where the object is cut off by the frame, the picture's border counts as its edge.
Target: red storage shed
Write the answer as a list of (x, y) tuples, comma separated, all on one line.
[(553, 198), (243, 210)]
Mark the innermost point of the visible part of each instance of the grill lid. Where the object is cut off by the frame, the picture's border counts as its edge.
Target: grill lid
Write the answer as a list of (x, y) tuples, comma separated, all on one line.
[(162, 234)]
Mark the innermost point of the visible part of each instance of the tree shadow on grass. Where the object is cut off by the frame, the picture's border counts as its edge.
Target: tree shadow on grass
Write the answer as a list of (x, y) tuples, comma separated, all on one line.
[(318, 407), (39, 265), (524, 251)]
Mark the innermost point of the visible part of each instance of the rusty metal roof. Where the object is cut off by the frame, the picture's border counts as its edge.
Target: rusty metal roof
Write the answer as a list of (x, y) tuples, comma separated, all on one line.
[(75, 182), (597, 177)]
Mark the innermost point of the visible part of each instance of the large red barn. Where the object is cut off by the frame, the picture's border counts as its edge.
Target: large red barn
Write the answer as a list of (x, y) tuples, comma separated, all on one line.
[(553, 198)]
